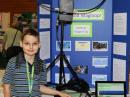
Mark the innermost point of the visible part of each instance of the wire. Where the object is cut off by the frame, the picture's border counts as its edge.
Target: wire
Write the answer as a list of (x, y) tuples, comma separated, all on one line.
[(49, 8), (85, 11), (94, 8)]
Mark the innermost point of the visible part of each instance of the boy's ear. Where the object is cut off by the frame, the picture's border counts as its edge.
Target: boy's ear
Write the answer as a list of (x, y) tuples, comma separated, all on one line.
[(21, 43)]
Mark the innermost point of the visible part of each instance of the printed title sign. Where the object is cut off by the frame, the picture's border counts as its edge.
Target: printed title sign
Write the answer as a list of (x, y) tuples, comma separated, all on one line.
[(95, 15)]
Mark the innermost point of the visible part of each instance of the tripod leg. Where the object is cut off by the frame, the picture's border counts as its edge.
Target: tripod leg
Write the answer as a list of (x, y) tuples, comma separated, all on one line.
[(69, 66), (63, 72), (53, 62), (61, 69)]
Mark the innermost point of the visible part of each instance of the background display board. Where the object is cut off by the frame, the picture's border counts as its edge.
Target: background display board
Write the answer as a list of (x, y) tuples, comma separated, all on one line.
[(120, 37), (87, 40)]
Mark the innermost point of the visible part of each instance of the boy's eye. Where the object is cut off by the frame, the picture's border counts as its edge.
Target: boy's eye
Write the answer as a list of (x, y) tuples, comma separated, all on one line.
[(26, 43), (35, 43), (31, 43)]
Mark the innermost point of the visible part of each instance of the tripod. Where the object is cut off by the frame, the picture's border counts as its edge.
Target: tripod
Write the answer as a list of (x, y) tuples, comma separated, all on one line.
[(62, 57)]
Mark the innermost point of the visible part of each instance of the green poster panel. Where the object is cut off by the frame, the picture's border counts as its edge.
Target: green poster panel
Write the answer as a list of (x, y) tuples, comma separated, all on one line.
[(81, 29)]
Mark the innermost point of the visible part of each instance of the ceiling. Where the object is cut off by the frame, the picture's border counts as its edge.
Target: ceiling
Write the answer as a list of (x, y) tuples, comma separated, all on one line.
[(18, 5)]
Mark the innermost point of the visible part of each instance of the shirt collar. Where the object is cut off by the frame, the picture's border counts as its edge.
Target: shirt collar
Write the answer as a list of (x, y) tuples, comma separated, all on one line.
[(21, 59)]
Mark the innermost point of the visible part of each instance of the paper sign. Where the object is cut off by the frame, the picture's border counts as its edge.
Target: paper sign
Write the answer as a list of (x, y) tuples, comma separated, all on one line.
[(81, 29), (82, 45)]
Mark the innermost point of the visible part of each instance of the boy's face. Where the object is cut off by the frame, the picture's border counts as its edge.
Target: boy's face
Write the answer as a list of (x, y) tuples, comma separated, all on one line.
[(30, 45)]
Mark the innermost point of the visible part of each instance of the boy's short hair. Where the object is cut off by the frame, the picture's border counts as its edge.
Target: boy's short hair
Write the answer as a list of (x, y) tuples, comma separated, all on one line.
[(30, 32)]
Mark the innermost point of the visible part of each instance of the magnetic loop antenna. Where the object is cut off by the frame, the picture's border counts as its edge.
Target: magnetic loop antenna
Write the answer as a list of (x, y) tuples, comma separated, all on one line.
[(66, 10)]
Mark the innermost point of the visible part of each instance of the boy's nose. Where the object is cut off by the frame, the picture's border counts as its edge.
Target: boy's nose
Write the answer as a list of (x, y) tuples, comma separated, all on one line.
[(31, 46)]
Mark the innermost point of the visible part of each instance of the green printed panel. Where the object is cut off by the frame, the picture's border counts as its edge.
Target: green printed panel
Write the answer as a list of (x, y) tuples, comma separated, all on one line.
[(81, 29)]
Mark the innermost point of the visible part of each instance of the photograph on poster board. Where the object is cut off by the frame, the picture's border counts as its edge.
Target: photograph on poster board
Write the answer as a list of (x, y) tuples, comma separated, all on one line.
[(81, 69), (100, 61), (98, 77), (82, 45), (81, 29), (100, 46), (66, 45)]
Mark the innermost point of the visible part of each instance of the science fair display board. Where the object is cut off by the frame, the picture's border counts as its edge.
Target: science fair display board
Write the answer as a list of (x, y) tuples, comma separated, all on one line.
[(87, 40)]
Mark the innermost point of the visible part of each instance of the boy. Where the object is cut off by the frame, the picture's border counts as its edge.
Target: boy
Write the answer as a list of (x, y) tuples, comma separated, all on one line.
[(25, 74)]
